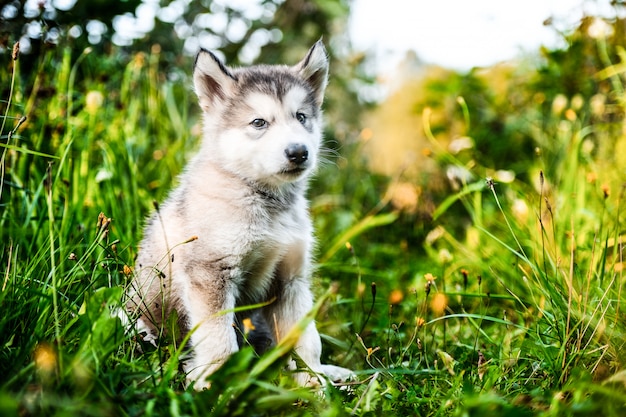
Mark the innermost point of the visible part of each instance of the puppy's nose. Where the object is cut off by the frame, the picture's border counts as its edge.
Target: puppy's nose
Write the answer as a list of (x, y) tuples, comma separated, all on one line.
[(297, 153)]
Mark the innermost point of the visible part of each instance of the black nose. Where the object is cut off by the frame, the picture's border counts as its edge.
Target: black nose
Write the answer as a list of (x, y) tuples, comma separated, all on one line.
[(297, 153)]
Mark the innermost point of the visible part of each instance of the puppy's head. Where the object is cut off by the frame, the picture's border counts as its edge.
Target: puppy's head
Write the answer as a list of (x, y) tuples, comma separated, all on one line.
[(263, 122)]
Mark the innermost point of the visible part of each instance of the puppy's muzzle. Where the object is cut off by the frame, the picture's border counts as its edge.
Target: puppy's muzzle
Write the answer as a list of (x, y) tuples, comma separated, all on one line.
[(297, 153)]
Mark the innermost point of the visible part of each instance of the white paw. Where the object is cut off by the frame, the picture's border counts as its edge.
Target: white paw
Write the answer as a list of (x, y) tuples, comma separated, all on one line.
[(198, 377), (142, 328), (337, 373)]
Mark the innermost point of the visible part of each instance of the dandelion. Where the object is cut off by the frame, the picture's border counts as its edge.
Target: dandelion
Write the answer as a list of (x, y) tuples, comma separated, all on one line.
[(419, 321), (366, 134), (371, 351), (570, 115), (605, 191), (45, 358), (248, 326), (396, 296), (158, 154), (430, 279), (592, 177), (350, 248), (439, 303), (191, 239), (127, 270)]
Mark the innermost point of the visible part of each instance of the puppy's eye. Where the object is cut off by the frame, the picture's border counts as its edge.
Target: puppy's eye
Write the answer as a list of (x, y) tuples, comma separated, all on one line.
[(301, 117), (258, 123)]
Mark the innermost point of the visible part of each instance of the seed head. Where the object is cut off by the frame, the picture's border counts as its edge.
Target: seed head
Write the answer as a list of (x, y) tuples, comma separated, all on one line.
[(490, 183), (15, 54)]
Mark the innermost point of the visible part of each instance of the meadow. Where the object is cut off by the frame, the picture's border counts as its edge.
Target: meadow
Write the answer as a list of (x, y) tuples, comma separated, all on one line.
[(508, 299)]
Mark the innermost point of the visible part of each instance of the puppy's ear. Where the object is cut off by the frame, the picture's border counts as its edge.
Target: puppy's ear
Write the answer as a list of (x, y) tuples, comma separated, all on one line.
[(212, 80), (314, 70)]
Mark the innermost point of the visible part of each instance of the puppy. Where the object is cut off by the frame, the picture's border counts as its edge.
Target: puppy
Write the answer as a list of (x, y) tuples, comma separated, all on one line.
[(236, 231)]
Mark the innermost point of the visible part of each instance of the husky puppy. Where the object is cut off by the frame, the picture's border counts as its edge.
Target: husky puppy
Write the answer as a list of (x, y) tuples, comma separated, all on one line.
[(236, 231)]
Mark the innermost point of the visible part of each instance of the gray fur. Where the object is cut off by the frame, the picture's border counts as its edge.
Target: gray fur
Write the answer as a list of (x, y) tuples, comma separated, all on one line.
[(236, 231)]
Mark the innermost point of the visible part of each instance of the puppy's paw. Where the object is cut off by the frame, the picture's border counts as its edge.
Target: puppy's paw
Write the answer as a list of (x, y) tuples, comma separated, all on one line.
[(198, 376), (337, 374)]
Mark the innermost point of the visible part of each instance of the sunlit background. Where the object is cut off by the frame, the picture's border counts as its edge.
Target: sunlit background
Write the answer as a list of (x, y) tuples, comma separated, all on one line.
[(453, 33), (463, 34)]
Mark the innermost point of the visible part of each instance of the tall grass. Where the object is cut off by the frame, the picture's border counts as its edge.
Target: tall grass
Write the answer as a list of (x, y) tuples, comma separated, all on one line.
[(522, 314)]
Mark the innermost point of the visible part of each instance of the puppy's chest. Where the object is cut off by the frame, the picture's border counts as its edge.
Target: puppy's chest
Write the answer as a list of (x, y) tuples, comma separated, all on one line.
[(276, 251)]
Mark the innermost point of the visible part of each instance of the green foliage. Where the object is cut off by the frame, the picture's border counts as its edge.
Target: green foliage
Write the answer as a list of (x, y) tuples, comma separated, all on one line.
[(509, 302)]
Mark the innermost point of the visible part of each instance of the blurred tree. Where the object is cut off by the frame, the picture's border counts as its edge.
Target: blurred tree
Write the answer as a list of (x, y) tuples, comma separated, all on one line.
[(40, 22), (283, 29), (271, 31)]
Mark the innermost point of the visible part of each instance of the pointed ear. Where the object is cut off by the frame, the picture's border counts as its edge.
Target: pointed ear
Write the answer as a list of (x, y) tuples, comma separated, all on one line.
[(212, 80), (314, 70)]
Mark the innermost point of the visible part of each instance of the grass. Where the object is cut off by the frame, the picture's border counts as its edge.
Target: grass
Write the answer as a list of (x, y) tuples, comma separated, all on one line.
[(520, 314)]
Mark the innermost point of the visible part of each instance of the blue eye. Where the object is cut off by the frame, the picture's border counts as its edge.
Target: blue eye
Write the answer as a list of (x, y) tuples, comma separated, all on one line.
[(301, 117), (258, 123)]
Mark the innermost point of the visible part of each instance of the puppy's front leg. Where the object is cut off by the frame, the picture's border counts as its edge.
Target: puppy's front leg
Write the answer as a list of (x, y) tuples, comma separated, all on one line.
[(210, 293), (293, 302)]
